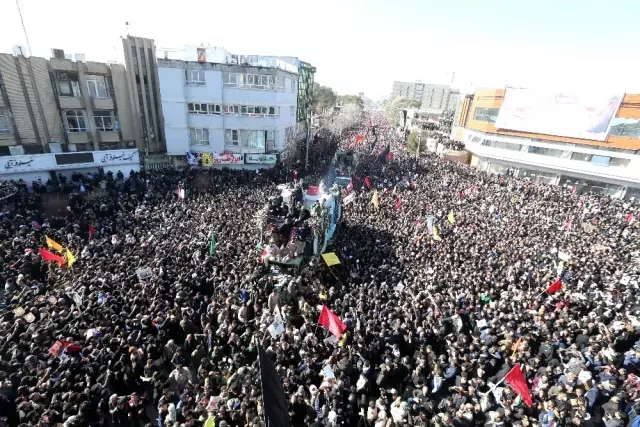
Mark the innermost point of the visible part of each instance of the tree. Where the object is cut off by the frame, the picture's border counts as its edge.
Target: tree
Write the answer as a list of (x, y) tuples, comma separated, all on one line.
[(414, 143), (347, 118), (352, 100), (323, 98), (393, 107)]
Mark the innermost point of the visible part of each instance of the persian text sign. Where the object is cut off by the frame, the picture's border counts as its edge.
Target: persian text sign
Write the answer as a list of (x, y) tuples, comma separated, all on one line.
[(584, 116), (264, 159)]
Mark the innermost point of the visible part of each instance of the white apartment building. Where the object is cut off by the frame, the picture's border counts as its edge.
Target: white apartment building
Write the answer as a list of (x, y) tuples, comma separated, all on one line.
[(239, 113)]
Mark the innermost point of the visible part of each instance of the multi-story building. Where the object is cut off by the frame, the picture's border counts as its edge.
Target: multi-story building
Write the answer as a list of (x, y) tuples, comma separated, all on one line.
[(588, 141), (408, 90), (142, 72), (433, 97), (61, 116), (232, 109)]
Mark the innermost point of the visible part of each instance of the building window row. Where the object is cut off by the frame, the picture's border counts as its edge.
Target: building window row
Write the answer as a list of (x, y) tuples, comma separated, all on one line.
[(553, 152), (5, 122), (104, 121), (234, 110), (68, 85), (629, 128), (254, 81), (254, 139), (486, 114)]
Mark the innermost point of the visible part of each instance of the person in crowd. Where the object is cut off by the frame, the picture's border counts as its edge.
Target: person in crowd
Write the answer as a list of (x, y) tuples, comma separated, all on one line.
[(444, 287)]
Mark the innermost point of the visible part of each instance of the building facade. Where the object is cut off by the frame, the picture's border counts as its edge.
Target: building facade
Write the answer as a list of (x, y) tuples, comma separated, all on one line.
[(433, 97), (231, 110), (408, 90), (606, 162), (142, 72), (55, 113)]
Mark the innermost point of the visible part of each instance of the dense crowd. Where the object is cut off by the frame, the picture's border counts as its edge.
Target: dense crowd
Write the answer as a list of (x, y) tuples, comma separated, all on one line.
[(442, 288)]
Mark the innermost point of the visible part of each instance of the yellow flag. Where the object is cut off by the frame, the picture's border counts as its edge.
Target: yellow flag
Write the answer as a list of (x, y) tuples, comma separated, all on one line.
[(342, 340), (52, 244), (330, 258), (435, 234), (70, 258), (451, 218), (210, 422), (375, 200)]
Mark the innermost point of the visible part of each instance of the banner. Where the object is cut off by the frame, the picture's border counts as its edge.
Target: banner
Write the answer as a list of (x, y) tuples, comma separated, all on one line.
[(585, 116), (260, 159), (211, 159)]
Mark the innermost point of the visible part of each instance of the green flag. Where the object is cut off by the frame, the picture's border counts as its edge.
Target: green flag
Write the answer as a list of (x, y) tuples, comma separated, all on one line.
[(212, 244)]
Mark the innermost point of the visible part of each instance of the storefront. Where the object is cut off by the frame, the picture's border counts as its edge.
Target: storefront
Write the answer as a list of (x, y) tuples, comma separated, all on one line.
[(36, 167)]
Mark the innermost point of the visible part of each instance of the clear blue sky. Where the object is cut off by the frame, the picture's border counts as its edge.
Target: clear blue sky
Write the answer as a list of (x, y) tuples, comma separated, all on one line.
[(362, 46)]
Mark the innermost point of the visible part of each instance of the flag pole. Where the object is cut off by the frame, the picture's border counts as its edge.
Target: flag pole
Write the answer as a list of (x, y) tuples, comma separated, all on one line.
[(264, 413)]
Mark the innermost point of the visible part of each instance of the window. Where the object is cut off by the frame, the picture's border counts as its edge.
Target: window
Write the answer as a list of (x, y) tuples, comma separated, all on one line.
[(97, 86), (619, 162), (545, 151), (195, 78), (68, 84), (103, 121), (230, 79), (243, 110), (581, 156), (272, 111), (292, 110), (198, 136), (625, 127), (215, 109), (486, 114), (70, 159), (254, 139), (5, 122), (280, 83), (231, 137), (197, 108), (75, 121), (600, 160)]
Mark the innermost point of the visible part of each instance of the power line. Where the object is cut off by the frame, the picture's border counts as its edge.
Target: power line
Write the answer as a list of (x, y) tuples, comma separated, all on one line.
[(24, 28)]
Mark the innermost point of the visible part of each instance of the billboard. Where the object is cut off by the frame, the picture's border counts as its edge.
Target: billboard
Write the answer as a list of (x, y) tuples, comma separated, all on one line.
[(584, 116)]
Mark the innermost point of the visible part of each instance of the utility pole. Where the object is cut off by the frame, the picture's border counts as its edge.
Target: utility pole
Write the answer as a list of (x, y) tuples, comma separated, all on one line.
[(419, 142)]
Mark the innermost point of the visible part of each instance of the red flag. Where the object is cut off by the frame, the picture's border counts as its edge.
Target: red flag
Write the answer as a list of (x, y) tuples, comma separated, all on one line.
[(389, 156), (92, 231), (313, 190), (629, 218), (359, 139), (332, 322), (367, 182), (517, 381), (398, 203), (48, 256), (554, 287), (569, 223)]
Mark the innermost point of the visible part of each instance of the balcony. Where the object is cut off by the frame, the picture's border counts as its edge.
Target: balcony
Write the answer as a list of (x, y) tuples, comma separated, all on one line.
[(109, 136), (102, 104), (79, 137), (71, 103)]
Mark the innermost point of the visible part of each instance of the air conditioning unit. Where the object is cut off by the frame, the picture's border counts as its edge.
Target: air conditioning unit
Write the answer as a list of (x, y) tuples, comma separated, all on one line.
[(57, 53), (80, 57), (19, 50), (72, 147), (16, 150)]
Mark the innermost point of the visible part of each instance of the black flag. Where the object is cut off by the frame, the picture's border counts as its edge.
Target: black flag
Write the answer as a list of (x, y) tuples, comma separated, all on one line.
[(276, 413), (383, 156)]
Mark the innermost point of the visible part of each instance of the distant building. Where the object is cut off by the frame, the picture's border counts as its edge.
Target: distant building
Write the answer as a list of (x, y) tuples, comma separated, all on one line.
[(64, 115), (432, 96)]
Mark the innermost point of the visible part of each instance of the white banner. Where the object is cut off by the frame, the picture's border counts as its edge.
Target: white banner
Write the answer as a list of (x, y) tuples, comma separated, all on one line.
[(263, 159), (585, 116)]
